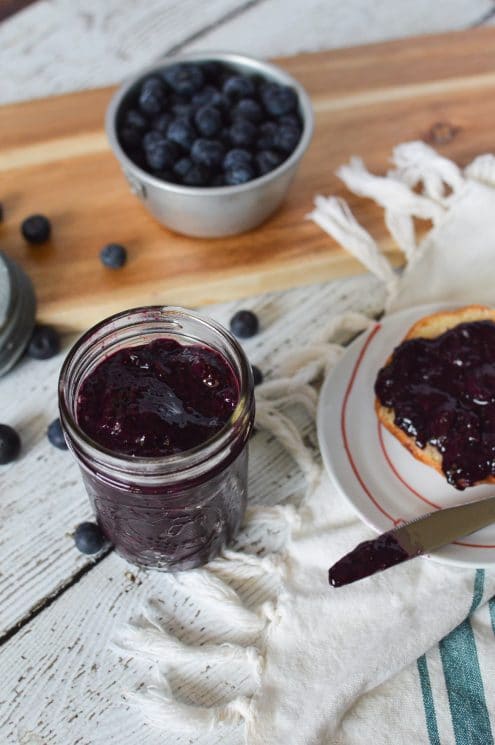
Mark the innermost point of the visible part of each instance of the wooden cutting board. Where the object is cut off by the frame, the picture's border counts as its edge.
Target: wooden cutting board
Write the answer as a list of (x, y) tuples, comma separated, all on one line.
[(54, 159)]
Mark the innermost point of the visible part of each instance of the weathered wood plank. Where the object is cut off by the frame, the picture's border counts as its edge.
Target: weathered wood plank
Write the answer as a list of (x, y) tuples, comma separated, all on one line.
[(274, 26), (53, 48), (107, 41)]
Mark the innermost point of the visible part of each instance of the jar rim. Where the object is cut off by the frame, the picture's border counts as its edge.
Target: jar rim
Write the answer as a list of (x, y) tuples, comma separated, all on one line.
[(187, 459)]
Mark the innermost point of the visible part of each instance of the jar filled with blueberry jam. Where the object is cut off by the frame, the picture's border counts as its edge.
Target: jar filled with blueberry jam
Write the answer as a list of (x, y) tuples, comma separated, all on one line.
[(157, 406)]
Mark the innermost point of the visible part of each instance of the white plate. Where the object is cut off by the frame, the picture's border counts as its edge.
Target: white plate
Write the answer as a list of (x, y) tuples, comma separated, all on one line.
[(379, 477)]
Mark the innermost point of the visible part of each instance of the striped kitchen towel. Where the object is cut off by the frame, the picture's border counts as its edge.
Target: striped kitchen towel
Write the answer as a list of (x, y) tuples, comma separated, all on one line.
[(256, 647)]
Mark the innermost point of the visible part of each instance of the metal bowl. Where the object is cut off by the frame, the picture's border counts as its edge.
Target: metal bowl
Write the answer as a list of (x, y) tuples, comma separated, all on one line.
[(210, 212)]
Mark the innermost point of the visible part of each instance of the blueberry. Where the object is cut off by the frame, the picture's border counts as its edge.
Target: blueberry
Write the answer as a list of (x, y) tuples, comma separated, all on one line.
[(242, 133), (56, 436), (182, 133), (113, 255), (10, 444), (210, 96), (184, 111), (239, 86), (266, 135), (1, 212), (162, 122), (239, 174), (152, 97), (278, 99), (160, 153), (89, 538), (36, 229), (185, 79), (286, 138), (182, 167), (133, 118), (249, 109), (197, 175), (257, 375), (244, 324), (208, 121), (267, 160), (44, 342), (235, 157), (207, 153)]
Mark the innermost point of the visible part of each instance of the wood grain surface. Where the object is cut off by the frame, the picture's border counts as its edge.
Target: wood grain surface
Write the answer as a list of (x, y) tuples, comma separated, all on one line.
[(55, 160)]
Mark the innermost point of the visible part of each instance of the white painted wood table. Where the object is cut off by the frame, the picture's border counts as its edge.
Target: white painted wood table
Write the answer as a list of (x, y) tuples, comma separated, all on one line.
[(60, 684)]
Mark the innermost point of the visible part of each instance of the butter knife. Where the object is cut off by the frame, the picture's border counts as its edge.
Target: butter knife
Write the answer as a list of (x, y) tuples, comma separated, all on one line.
[(420, 536)]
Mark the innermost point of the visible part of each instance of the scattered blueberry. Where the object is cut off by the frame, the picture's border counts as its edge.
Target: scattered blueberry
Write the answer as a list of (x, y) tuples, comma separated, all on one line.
[(242, 133), (239, 86), (239, 174), (162, 122), (113, 255), (207, 153), (197, 175), (286, 138), (152, 98), (267, 160), (257, 375), (278, 99), (160, 153), (36, 229), (89, 538), (185, 79), (249, 109), (182, 133), (10, 444), (244, 324), (208, 121), (44, 342), (56, 436), (236, 157), (1, 212)]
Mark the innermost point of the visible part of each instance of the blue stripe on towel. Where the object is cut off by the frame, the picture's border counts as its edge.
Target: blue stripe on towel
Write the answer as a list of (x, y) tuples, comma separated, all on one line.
[(428, 703), (491, 606), (465, 690)]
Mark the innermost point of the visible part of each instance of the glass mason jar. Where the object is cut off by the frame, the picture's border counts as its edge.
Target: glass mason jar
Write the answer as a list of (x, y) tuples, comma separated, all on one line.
[(169, 512)]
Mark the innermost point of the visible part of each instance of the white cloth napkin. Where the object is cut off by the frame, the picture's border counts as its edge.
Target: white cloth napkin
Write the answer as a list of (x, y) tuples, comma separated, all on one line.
[(396, 658)]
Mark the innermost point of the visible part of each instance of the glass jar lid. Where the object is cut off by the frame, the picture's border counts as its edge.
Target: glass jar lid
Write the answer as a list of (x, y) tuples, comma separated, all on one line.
[(17, 312)]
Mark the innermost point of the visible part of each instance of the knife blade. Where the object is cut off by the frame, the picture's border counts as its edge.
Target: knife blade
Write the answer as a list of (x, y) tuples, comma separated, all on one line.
[(420, 536)]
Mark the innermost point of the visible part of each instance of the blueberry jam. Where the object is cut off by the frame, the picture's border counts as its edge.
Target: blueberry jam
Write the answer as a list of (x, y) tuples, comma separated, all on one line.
[(157, 399), (160, 427), (366, 559), (442, 391)]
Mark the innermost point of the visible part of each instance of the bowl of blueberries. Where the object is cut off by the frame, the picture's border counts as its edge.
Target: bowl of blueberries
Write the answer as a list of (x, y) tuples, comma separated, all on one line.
[(210, 143)]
